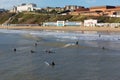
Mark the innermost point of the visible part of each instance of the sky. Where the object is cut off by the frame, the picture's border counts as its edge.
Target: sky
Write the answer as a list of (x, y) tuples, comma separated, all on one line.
[(7, 4)]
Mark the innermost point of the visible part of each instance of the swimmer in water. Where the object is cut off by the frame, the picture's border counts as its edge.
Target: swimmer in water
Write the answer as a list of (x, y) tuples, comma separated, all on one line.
[(35, 44), (14, 49), (53, 64), (32, 51), (49, 51), (103, 48)]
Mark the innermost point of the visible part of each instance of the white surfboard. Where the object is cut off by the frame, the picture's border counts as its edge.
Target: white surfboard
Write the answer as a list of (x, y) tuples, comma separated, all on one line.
[(47, 63)]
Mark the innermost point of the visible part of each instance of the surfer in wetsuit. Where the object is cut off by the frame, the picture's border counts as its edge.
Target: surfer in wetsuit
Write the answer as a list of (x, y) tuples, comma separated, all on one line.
[(53, 64), (32, 51), (35, 44), (49, 51), (99, 35), (76, 43), (103, 48), (14, 49)]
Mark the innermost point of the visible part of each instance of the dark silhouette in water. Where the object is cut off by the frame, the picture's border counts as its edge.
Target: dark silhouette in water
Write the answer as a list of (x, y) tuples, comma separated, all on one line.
[(103, 48), (53, 63), (32, 51), (35, 44), (76, 43), (14, 50), (99, 35), (49, 51)]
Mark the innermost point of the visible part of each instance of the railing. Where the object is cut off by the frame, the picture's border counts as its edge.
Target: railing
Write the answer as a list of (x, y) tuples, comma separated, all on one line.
[(20, 25)]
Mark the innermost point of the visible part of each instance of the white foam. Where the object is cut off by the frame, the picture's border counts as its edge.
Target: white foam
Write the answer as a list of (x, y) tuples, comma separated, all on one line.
[(66, 35), (67, 45)]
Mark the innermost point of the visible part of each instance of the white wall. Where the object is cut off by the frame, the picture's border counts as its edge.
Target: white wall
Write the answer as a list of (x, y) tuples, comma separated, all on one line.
[(90, 22), (27, 7)]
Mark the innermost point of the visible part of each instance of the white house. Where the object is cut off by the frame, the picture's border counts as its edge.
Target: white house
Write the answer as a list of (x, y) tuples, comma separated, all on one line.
[(90, 22), (26, 7)]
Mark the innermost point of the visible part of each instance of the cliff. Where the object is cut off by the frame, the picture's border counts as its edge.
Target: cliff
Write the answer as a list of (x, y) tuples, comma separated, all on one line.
[(39, 18)]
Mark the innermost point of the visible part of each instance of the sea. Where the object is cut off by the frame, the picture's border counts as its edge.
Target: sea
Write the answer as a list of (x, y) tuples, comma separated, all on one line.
[(95, 57)]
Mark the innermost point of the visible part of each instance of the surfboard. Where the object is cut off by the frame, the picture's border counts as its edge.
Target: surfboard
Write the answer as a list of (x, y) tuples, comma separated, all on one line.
[(47, 63)]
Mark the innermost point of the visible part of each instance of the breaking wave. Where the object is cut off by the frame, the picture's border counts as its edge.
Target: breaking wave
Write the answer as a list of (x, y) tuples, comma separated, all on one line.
[(66, 35)]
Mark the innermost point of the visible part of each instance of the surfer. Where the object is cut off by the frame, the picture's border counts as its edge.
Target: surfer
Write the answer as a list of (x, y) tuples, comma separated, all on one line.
[(35, 44), (49, 51), (99, 35), (50, 64), (14, 49), (32, 51), (76, 43), (53, 63)]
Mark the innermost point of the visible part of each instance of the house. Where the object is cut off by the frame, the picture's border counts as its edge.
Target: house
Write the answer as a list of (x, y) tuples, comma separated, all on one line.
[(90, 22), (24, 7), (101, 8), (72, 7), (111, 11), (117, 14), (49, 9)]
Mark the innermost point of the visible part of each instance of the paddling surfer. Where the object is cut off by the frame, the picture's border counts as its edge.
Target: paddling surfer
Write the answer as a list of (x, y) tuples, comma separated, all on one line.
[(32, 51), (14, 50), (53, 63)]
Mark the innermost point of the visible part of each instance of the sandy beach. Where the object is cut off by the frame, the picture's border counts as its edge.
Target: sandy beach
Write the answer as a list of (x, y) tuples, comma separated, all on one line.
[(68, 28)]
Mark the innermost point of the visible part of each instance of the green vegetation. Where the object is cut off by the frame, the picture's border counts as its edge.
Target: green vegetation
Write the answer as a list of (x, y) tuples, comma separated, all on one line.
[(5, 16), (39, 18)]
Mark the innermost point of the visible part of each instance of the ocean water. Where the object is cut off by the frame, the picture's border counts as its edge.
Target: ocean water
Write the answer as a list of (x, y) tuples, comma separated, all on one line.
[(85, 61)]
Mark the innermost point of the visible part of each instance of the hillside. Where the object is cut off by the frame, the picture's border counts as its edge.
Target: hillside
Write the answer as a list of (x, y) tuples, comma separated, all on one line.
[(5, 16), (39, 18)]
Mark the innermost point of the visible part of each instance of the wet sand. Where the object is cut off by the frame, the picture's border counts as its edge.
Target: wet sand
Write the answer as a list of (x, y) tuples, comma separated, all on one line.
[(68, 28)]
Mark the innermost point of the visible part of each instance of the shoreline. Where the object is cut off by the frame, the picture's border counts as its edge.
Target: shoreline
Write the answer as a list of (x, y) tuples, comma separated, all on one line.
[(68, 28)]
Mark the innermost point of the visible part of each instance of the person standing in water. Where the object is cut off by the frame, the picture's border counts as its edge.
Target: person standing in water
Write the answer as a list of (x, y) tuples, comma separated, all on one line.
[(76, 43), (53, 63), (14, 49), (35, 44), (103, 48)]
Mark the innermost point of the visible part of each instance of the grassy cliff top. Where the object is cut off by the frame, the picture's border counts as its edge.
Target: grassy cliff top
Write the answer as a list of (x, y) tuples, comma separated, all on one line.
[(38, 18)]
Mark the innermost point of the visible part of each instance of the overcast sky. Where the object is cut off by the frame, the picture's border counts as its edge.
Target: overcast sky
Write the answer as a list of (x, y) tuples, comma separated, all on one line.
[(7, 4)]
